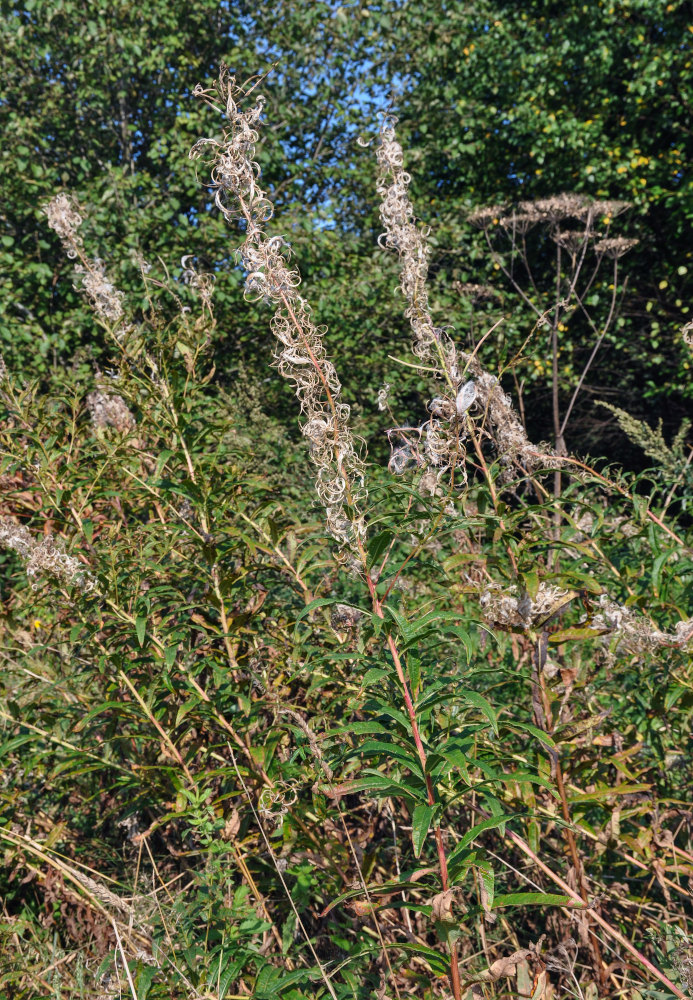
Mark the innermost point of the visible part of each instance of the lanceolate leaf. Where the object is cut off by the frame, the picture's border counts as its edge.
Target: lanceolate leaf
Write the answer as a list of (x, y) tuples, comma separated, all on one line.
[(535, 899), (420, 823)]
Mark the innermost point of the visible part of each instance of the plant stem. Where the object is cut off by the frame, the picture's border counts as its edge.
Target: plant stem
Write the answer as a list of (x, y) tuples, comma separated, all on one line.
[(430, 791)]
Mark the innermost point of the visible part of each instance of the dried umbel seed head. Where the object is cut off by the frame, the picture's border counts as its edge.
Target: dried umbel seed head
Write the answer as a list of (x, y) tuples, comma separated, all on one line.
[(609, 208), (476, 293), (572, 240), (687, 334), (484, 218), (559, 207), (521, 222), (616, 247), (108, 410)]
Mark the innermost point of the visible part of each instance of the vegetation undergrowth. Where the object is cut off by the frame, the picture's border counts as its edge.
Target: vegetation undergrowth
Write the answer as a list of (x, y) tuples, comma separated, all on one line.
[(283, 722)]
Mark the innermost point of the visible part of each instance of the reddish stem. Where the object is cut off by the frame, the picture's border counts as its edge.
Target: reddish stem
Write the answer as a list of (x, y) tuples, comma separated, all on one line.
[(430, 791)]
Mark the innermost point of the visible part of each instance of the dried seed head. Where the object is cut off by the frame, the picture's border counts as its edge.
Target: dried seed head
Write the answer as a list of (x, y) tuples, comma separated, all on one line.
[(403, 458), (571, 240), (406, 238), (559, 207), (102, 293), (610, 208), (442, 435), (484, 218), (445, 433), (344, 616), (510, 607), (64, 219), (683, 963), (300, 356), (616, 247), (521, 222), (44, 556), (108, 410), (624, 628), (477, 293), (275, 802), (465, 397), (200, 281), (16, 537)]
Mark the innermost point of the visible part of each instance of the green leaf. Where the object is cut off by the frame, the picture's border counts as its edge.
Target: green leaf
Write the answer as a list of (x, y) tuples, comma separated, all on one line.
[(391, 751), (229, 973), (319, 602), (186, 707), (607, 791), (484, 706), (533, 899), (377, 547), (375, 782), (439, 964), (573, 634), (531, 582), (459, 760), (421, 821), (373, 675), (398, 885), (358, 729), (463, 636), (486, 824), (399, 620), (538, 734), (145, 978), (140, 628), (488, 882), (414, 673)]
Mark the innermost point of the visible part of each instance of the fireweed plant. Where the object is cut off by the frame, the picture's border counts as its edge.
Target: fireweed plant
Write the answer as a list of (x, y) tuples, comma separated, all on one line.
[(425, 736)]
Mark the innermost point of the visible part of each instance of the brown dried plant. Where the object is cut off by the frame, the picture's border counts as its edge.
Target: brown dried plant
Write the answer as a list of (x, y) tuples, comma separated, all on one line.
[(575, 273)]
